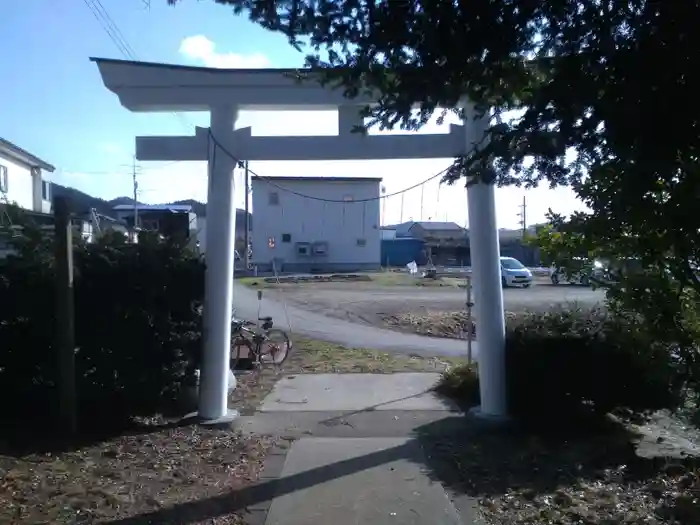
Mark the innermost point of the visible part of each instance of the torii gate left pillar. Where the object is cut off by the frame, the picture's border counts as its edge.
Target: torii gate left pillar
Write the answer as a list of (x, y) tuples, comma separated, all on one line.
[(161, 87), (218, 286)]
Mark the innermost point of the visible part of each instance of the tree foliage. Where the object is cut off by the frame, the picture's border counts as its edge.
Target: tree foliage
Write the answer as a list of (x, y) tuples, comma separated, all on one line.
[(603, 93)]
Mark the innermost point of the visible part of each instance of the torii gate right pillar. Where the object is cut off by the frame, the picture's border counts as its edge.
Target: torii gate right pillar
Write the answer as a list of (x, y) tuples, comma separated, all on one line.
[(486, 269)]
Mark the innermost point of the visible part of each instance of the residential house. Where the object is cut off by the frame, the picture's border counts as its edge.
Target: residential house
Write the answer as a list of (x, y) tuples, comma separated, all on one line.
[(240, 240), (445, 243), (316, 224), (169, 220), (21, 179)]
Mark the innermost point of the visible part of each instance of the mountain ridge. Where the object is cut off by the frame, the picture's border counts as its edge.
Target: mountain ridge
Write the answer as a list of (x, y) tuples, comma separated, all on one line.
[(82, 202)]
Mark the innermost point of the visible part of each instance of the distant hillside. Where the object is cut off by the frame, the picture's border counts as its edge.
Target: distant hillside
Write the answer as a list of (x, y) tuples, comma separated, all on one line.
[(82, 203)]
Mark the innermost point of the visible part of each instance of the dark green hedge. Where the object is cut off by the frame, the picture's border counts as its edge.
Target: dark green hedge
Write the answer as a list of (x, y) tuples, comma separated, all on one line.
[(137, 329), (572, 363)]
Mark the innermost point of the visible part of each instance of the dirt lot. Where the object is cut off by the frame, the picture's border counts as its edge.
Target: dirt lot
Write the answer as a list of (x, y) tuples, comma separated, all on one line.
[(372, 303)]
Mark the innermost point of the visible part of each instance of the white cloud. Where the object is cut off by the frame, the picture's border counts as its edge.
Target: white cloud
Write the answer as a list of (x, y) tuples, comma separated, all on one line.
[(111, 148), (200, 48)]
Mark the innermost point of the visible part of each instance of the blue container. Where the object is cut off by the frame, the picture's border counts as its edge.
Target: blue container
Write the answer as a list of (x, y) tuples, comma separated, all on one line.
[(400, 252)]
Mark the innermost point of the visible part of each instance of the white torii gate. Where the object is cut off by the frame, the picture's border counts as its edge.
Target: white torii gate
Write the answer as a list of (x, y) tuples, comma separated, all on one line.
[(154, 87)]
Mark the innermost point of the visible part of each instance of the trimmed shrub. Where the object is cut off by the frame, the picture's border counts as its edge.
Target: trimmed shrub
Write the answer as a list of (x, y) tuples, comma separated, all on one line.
[(574, 363), (137, 328)]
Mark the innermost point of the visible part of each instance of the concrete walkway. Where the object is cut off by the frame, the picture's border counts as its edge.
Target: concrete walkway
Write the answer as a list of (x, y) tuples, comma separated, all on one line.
[(359, 452), (320, 327)]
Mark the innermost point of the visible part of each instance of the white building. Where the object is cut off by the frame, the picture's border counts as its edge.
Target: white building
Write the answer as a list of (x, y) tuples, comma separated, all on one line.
[(21, 179), (312, 224)]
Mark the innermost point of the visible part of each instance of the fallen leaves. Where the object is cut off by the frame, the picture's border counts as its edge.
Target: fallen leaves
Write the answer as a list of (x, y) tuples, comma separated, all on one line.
[(130, 475)]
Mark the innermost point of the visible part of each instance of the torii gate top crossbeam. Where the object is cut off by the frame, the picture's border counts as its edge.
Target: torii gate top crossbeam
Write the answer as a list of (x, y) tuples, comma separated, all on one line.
[(154, 87)]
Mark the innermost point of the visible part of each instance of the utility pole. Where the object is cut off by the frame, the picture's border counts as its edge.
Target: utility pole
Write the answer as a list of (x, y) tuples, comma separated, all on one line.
[(247, 223), (65, 314), (523, 217), (136, 193), (383, 218), (421, 200), (402, 207)]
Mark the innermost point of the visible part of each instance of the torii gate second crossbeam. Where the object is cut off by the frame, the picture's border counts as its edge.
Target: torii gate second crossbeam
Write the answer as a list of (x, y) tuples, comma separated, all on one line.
[(149, 87)]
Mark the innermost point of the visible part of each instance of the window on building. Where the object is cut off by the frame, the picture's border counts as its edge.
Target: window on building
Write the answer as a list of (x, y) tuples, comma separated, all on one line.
[(303, 249), (362, 242), (274, 198), (45, 190), (286, 237), (3, 179), (270, 242)]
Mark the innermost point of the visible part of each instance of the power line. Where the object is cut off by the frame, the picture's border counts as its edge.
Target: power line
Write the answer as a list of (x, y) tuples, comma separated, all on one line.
[(218, 145), (110, 27), (114, 33)]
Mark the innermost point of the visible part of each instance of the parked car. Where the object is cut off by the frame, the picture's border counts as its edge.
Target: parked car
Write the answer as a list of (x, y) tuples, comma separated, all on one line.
[(514, 273), (597, 273)]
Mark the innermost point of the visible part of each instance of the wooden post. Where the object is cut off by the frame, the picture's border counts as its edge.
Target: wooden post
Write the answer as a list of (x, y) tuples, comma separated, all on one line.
[(470, 323), (65, 314)]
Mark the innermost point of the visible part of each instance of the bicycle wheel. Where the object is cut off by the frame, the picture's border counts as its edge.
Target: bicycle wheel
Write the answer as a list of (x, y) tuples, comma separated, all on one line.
[(242, 354), (276, 347)]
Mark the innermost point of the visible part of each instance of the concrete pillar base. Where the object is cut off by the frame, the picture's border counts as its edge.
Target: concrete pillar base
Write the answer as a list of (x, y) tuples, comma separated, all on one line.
[(228, 420), (498, 421)]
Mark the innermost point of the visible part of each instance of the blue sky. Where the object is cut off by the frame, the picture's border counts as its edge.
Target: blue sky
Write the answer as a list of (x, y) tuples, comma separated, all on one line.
[(55, 105)]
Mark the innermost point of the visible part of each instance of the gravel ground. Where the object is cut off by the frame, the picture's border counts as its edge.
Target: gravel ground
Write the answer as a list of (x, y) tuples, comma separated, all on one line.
[(372, 304)]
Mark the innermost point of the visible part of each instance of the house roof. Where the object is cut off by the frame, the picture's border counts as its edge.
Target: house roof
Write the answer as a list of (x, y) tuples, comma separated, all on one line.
[(436, 225), (403, 229), (320, 179), (20, 155)]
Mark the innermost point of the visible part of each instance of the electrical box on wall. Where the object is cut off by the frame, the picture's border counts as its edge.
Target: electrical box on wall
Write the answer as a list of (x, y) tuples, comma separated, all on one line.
[(320, 248)]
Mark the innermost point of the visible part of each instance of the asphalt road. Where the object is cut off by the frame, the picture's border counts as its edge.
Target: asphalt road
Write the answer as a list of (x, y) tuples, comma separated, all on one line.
[(298, 321), (351, 314)]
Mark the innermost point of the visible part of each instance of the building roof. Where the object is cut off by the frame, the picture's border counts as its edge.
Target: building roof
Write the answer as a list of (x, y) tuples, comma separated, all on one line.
[(20, 155), (403, 229), (321, 179), (437, 225)]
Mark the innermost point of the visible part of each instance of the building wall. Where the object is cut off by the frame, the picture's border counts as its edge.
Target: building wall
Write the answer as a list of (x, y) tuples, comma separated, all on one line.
[(351, 230), (26, 186), (20, 184)]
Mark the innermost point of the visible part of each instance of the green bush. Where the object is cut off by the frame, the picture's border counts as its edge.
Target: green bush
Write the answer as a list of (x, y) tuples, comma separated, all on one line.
[(574, 363), (137, 329)]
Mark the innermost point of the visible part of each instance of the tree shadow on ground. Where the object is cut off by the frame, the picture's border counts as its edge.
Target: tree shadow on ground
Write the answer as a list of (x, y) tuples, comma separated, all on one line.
[(467, 457), (21, 439)]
